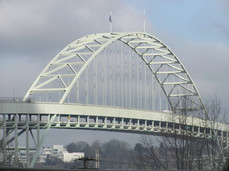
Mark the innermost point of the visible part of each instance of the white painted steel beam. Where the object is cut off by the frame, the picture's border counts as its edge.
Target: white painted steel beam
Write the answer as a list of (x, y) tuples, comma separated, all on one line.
[(104, 111), (152, 51)]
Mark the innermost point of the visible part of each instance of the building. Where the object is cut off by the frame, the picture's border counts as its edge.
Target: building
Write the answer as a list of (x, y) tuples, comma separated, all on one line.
[(71, 157), (60, 152)]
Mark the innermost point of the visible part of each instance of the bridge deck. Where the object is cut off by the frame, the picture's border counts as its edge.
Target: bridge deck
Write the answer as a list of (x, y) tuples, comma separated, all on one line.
[(72, 116)]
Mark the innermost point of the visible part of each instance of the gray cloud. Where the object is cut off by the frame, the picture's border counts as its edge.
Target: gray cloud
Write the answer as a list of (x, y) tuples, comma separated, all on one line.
[(34, 32)]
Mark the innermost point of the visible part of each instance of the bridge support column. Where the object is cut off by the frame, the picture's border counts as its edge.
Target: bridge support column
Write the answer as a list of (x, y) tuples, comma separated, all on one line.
[(105, 122), (88, 121), (40, 143), (58, 120), (27, 140), (159, 125), (122, 123), (152, 129), (198, 131), (4, 141), (145, 127), (78, 121), (96, 122), (69, 120), (138, 124), (130, 124), (194, 130), (38, 130), (113, 122), (16, 139)]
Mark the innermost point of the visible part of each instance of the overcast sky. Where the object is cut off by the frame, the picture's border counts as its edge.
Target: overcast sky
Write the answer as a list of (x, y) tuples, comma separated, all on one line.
[(33, 32)]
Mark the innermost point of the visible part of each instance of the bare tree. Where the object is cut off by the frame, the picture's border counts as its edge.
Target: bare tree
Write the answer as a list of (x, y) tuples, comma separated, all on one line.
[(215, 146), (181, 147), (182, 150), (150, 156)]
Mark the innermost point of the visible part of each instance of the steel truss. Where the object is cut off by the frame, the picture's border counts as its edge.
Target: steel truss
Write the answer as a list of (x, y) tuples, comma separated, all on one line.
[(175, 81)]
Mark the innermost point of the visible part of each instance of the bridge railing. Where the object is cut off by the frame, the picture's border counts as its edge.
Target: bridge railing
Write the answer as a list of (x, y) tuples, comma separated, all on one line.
[(15, 100)]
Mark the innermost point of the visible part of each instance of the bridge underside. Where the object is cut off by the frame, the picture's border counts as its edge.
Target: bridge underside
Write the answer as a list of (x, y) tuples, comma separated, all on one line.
[(26, 118), (102, 117)]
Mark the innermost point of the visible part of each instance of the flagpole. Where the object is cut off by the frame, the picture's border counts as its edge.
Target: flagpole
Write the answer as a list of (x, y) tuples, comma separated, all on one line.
[(144, 22), (110, 19)]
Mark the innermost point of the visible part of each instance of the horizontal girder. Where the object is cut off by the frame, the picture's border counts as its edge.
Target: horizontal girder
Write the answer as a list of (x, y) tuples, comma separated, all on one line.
[(71, 116)]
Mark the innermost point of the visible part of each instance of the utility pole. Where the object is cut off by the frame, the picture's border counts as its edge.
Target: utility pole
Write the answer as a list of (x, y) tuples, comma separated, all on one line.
[(97, 159)]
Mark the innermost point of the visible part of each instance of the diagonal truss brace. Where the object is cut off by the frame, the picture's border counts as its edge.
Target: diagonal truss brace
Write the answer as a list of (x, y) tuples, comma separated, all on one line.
[(39, 144)]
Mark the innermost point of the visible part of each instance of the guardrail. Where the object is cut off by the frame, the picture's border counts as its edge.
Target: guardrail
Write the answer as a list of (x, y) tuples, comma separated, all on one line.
[(15, 100)]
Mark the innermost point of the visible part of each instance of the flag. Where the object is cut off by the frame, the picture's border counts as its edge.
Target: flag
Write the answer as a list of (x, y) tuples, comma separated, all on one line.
[(110, 19)]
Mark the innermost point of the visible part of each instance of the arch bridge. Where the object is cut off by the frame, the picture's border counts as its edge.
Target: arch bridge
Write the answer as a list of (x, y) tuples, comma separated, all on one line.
[(125, 82)]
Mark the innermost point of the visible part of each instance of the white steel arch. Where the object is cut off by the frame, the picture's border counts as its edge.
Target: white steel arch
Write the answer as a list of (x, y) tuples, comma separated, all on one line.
[(175, 81)]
